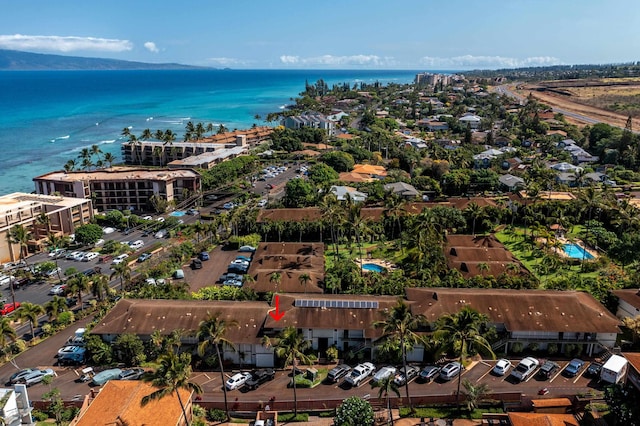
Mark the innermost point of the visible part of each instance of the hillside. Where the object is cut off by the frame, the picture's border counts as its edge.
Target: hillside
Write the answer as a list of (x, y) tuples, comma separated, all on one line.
[(23, 61)]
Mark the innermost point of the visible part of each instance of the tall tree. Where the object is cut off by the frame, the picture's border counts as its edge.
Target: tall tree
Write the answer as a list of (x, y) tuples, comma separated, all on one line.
[(55, 307), (211, 334), (7, 334), (122, 271), (30, 312), (461, 332), (171, 376), (291, 347), (400, 326), (78, 284), (304, 279), (387, 385), (20, 235)]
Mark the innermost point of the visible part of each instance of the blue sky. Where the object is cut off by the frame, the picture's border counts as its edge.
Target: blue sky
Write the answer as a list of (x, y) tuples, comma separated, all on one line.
[(347, 34)]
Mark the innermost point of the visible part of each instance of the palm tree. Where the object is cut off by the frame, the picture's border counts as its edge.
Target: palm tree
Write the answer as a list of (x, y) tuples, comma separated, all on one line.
[(290, 347), (146, 134), (171, 376), (109, 159), (100, 286), (211, 333), (387, 385), (79, 284), (55, 307), (21, 236), (122, 271), (7, 333), (304, 279), (275, 278), (70, 165), (55, 242), (399, 326), (461, 332), (95, 150), (475, 212), (475, 393), (30, 312)]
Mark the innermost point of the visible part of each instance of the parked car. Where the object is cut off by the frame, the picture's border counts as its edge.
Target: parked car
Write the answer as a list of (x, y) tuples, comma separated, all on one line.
[(204, 255), (137, 245), (104, 376), (402, 377), (259, 377), (245, 258), (89, 256), (338, 372), (72, 255), (18, 375), (192, 212), (77, 356), (548, 369), (147, 217), (161, 234), (232, 282), (91, 271), (359, 373), (9, 307), (383, 373), (119, 259), (196, 264), (108, 230), (429, 373), (6, 279), (247, 249), (56, 252), (237, 380), (144, 257), (36, 376), (524, 369), (574, 367), (131, 374), (71, 349), (450, 370), (160, 219), (58, 290), (502, 366), (594, 369), (105, 258), (178, 274)]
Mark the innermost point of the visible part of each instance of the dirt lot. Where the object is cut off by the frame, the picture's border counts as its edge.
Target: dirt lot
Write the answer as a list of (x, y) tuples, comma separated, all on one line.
[(211, 269)]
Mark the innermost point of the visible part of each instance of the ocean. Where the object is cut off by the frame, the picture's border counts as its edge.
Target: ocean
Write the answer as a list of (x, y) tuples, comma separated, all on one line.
[(47, 117)]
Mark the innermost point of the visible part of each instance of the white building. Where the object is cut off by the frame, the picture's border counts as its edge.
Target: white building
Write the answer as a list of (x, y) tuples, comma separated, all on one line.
[(15, 408)]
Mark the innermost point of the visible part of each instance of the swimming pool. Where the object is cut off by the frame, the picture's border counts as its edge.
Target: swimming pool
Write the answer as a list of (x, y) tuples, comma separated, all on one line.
[(372, 267), (576, 252), (178, 213)]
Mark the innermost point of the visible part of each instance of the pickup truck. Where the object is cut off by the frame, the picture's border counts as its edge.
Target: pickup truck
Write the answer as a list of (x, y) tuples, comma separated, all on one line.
[(360, 373), (259, 377), (524, 369)]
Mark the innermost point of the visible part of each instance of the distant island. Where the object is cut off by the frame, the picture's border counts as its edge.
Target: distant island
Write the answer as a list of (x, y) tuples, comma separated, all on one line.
[(13, 60)]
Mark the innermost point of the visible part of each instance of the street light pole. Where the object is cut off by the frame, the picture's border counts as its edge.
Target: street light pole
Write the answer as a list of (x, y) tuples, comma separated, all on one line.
[(13, 291)]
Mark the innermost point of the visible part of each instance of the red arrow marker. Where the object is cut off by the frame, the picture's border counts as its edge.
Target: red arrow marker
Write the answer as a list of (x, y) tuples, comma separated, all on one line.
[(277, 315)]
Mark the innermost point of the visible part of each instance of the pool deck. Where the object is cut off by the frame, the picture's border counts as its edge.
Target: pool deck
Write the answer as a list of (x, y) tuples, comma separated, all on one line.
[(579, 243), (380, 262)]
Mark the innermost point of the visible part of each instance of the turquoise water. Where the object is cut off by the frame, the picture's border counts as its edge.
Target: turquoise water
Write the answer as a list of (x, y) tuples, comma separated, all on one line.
[(47, 117), (576, 252), (177, 213), (372, 267)]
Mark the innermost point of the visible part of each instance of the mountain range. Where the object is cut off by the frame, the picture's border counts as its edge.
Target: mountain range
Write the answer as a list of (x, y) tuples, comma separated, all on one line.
[(13, 60)]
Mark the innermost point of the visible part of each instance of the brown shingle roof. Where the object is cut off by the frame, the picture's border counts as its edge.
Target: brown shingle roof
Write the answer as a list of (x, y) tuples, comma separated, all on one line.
[(332, 318), (634, 359), (542, 419), (119, 403), (522, 310), (631, 296), (143, 317), (466, 252)]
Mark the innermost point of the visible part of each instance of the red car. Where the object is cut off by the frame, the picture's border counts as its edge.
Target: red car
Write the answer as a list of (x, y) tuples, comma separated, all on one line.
[(9, 307), (268, 186)]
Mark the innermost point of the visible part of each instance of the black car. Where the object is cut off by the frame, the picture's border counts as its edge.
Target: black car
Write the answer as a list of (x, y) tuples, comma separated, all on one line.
[(338, 372), (594, 369), (259, 377), (548, 369), (196, 264), (429, 373)]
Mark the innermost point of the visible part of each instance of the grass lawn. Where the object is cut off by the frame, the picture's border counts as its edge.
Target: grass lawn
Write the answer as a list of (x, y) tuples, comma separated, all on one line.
[(530, 258), (351, 252)]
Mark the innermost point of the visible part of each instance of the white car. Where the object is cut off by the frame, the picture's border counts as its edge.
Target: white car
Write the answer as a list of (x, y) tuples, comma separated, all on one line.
[(524, 369), (262, 203), (501, 367), (383, 373), (119, 259), (54, 253), (360, 373), (6, 279), (108, 230), (160, 219), (237, 380), (79, 255), (147, 217), (89, 256), (136, 245)]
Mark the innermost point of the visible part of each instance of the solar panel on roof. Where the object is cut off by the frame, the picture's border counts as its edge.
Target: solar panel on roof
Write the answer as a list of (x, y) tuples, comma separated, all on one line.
[(341, 304)]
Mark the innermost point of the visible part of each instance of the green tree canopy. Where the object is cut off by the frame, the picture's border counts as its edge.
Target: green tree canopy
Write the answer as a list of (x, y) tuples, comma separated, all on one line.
[(321, 174), (88, 234), (299, 193), (339, 161), (354, 411)]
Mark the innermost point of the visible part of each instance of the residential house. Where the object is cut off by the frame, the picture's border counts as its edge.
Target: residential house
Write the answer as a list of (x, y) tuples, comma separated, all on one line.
[(484, 159), (119, 402), (565, 168), (471, 120), (633, 373), (122, 188), (403, 189), (511, 182), (433, 125), (569, 179), (416, 143), (64, 214), (15, 408), (344, 192), (480, 255), (314, 120), (376, 172), (578, 154), (538, 419), (628, 303)]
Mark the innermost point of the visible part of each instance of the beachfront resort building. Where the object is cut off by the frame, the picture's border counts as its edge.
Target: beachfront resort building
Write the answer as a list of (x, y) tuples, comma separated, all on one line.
[(203, 153), (314, 120), (122, 188), (41, 215)]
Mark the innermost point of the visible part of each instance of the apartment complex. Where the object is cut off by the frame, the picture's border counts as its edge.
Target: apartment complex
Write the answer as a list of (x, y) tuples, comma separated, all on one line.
[(62, 215), (214, 149), (314, 120), (122, 187)]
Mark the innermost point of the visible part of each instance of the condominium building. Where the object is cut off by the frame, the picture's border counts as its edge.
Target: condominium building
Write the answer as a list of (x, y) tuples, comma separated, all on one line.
[(62, 215), (314, 120), (122, 188)]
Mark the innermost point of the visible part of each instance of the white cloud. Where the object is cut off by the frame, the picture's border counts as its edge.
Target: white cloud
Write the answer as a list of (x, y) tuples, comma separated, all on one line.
[(471, 61), (151, 47), (63, 44), (228, 62), (338, 61)]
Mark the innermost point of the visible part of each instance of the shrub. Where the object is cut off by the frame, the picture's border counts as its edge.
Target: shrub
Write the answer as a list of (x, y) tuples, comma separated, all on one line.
[(517, 347), (65, 318), (39, 415), (533, 347), (290, 417), (332, 354), (216, 415), (569, 349), (552, 348), (354, 411)]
